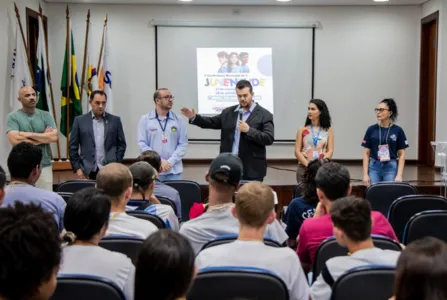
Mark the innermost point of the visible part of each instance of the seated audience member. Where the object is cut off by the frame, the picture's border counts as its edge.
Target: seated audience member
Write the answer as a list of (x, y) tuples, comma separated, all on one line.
[(24, 164), (115, 180), (303, 207), (165, 267), (142, 198), (161, 189), (223, 177), (352, 222), (333, 182), (254, 210), (2, 184), (421, 271), (86, 218), (30, 253)]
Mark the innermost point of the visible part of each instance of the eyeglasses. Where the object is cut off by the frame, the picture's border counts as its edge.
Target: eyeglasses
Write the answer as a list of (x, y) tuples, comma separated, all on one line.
[(167, 97), (380, 110)]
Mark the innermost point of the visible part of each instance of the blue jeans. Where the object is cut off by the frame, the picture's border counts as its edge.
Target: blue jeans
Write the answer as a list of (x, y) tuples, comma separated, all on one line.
[(170, 177), (382, 171)]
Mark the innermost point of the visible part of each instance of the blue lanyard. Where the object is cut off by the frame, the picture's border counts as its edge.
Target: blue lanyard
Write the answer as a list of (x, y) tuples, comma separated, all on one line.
[(159, 121), (315, 138)]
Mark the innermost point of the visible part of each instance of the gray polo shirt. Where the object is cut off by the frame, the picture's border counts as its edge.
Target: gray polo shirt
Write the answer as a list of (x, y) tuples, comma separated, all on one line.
[(282, 261), (337, 266), (212, 224), (122, 223)]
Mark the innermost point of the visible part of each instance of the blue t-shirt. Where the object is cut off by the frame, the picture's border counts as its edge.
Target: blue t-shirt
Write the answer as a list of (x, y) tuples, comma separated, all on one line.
[(396, 140), (298, 211)]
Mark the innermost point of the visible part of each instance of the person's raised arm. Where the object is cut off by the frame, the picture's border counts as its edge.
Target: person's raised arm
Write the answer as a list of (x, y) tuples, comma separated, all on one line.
[(299, 146), (214, 122)]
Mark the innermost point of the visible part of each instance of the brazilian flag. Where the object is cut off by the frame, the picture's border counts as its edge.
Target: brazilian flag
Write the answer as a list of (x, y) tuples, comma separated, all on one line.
[(73, 99)]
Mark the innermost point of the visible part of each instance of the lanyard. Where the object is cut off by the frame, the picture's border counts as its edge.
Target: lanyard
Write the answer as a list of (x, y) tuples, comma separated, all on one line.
[(315, 138), (159, 121), (387, 134)]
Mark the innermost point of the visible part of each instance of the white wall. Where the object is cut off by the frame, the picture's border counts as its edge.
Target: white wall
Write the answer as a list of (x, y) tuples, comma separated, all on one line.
[(7, 44), (363, 54)]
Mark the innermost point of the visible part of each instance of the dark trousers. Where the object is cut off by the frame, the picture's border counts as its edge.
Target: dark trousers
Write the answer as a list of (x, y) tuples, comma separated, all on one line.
[(93, 174)]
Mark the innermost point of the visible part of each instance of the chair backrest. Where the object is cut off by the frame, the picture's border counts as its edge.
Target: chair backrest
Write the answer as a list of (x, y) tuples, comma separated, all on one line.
[(154, 219), (66, 196), (225, 239), (382, 194), (227, 282), (128, 245), (189, 192), (86, 287), (72, 186), (329, 248), (426, 223), (167, 201), (405, 207), (298, 190), (371, 282)]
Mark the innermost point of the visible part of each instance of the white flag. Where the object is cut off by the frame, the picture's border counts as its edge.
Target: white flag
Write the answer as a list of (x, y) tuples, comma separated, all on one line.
[(20, 73), (92, 76), (42, 79), (105, 73)]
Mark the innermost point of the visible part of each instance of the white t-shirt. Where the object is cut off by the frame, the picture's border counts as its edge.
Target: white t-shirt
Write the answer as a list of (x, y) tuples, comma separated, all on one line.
[(282, 261), (97, 261), (165, 212), (210, 225), (122, 223), (337, 266)]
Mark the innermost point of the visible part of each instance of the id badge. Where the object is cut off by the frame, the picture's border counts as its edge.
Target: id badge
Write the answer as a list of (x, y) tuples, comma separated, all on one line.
[(315, 154), (384, 153), (164, 140)]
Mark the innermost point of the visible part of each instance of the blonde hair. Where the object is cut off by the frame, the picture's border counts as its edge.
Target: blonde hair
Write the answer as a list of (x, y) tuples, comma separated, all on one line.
[(254, 204)]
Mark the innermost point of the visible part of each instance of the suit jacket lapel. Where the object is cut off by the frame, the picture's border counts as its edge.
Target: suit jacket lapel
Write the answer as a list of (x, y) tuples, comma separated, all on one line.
[(253, 114)]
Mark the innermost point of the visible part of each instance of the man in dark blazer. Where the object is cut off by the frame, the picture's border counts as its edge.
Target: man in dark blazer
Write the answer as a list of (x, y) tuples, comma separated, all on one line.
[(246, 130), (96, 139)]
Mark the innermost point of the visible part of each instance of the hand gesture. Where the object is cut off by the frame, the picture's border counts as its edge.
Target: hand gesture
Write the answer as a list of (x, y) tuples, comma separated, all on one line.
[(188, 112), (243, 127), (165, 166), (80, 174)]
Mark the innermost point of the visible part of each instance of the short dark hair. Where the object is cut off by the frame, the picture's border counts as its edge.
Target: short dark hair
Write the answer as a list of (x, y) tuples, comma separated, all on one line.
[(87, 211), (2, 177), (325, 116), (97, 92), (22, 159), (242, 54), (353, 216), (152, 158), (157, 93), (333, 180), (309, 187), (114, 179), (242, 84), (30, 250), (165, 266), (421, 270), (222, 54), (392, 106)]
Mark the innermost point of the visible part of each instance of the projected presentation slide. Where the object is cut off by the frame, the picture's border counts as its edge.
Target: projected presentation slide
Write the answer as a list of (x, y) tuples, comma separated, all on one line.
[(219, 70)]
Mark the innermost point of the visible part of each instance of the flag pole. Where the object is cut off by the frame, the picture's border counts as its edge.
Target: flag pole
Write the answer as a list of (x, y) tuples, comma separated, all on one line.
[(102, 46), (68, 96), (50, 83), (24, 43), (85, 57)]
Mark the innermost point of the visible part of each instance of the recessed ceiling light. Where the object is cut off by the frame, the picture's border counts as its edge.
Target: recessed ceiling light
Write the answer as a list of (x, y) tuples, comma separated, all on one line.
[(283, 0), (381, 0), (185, 0)]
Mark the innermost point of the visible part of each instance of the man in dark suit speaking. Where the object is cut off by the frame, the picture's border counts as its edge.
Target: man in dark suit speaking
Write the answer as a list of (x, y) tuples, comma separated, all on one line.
[(246, 130), (96, 139)]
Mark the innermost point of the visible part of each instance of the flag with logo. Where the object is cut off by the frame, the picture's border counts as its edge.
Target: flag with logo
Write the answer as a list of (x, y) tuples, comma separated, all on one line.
[(42, 78), (72, 99), (105, 72), (20, 72)]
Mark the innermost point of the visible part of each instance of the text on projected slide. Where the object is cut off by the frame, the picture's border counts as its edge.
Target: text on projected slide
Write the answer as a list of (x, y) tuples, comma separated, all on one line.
[(219, 70)]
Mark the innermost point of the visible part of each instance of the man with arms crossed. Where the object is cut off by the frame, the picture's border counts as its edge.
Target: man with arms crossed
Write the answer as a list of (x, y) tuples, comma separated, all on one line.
[(246, 130), (165, 132), (34, 126), (96, 139), (254, 210)]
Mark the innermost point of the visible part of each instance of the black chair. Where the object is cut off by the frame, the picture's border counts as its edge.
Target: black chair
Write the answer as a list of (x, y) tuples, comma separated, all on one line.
[(223, 283), (167, 201), (154, 219), (72, 186), (128, 245), (405, 207), (65, 196), (189, 192), (225, 239), (371, 282), (382, 194), (298, 190), (329, 248), (426, 223), (86, 287)]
